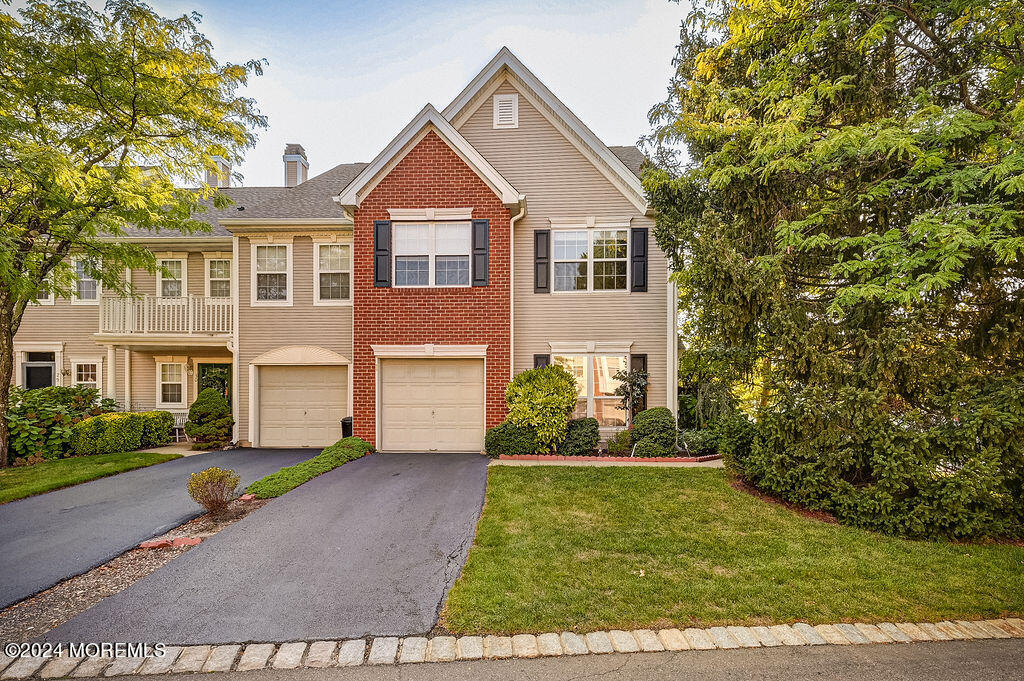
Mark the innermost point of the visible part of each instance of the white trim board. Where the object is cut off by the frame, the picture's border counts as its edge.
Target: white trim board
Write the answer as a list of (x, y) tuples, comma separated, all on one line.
[(429, 350)]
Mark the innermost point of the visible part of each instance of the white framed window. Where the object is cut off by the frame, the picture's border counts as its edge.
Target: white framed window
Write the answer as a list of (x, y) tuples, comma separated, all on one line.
[(87, 289), (170, 384), (590, 260), (43, 295), (332, 274), (506, 111), (88, 374), (171, 278), (596, 384), (271, 274), (432, 254), (218, 278)]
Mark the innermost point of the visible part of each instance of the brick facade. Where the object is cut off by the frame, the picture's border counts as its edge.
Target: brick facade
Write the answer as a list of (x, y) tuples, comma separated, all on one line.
[(431, 175)]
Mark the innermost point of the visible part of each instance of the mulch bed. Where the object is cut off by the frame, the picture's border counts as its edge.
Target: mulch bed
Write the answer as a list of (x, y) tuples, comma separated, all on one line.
[(37, 615), (630, 459)]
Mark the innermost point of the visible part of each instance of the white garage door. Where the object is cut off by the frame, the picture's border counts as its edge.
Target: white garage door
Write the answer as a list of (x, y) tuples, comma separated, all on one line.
[(432, 405), (302, 406)]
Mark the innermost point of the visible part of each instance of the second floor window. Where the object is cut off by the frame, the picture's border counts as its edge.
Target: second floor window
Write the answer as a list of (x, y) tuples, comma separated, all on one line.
[(171, 275), (86, 288), (272, 273), (218, 277), (333, 273), (432, 254), (590, 260)]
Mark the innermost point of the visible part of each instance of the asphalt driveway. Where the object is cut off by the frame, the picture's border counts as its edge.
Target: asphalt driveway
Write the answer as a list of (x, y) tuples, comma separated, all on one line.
[(370, 548), (47, 538)]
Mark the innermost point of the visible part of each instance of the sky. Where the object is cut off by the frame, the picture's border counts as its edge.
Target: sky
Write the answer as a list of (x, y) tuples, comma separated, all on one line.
[(345, 77)]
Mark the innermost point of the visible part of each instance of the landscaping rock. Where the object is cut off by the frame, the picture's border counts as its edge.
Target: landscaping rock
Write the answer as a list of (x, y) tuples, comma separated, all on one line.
[(289, 655), (809, 634), (1006, 627), (23, 667), (414, 650), (573, 643), (699, 639), (765, 637), (255, 656), (5, 660), (549, 645), (497, 647), (745, 637), (935, 632), (673, 639), (953, 631), (161, 665), (623, 641), (648, 640), (191, 659), (383, 650), (1017, 623), (469, 648), (91, 666), (525, 645), (992, 630), (59, 667), (321, 654), (247, 497), (598, 643), (973, 629), (722, 638), (852, 633), (787, 634), (186, 541), (872, 633), (156, 544), (441, 649), (913, 631), (123, 666), (894, 632), (832, 635), (222, 658), (351, 653)]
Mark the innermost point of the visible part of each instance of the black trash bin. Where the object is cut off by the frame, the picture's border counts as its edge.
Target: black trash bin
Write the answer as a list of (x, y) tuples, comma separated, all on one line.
[(346, 427)]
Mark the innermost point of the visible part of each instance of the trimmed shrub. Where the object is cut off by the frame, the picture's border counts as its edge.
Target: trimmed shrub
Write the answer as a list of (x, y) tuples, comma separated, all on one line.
[(581, 438), (213, 489), (209, 420), (511, 440), (107, 434), (698, 441), (658, 426), (544, 399), (157, 428), (735, 436), (341, 452), (647, 449), (621, 444), (40, 420)]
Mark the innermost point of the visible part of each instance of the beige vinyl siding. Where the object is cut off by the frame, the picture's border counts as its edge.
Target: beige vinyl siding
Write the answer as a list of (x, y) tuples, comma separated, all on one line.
[(560, 182), (264, 328), (62, 322), (145, 282)]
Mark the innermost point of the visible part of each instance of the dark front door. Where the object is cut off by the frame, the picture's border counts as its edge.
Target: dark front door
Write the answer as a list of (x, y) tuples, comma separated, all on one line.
[(216, 376)]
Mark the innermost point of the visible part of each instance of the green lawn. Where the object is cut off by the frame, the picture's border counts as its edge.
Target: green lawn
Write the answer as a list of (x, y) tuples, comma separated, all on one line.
[(560, 548), (26, 481)]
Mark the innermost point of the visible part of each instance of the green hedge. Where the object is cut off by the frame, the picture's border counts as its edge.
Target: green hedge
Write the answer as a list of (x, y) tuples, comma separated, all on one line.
[(511, 440), (107, 434), (286, 479), (655, 430), (581, 439), (157, 428)]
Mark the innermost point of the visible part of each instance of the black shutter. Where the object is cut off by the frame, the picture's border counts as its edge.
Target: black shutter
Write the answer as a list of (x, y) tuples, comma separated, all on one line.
[(638, 259), (541, 361), (541, 261), (480, 252), (639, 363), (381, 253)]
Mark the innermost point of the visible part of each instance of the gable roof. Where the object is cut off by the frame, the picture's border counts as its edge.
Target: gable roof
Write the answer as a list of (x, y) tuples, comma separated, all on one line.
[(428, 117), (575, 130), (631, 157), (309, 200)]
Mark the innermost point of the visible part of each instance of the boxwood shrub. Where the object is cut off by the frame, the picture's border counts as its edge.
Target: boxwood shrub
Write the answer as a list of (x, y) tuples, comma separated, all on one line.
[(511, 440), (107, 434), (581, 439), (157, 428), (657, 427)]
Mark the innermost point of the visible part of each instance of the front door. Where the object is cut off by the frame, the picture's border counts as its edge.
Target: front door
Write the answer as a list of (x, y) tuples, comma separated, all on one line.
[(215, 376)]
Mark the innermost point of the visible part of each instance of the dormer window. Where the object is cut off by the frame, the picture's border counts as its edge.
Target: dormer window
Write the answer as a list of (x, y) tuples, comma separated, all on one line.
[(506, 111)]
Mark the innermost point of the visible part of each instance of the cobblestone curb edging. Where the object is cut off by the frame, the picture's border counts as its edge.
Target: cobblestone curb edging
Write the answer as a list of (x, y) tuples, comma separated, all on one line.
[(553, 458), (418, 649)]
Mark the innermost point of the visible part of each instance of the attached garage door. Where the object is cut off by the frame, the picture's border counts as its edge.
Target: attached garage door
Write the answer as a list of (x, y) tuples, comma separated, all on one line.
[(432, 405), (301, 406)]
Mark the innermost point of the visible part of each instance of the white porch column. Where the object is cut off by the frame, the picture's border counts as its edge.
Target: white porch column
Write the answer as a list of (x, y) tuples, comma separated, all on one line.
[(128, 379), (111, 377)]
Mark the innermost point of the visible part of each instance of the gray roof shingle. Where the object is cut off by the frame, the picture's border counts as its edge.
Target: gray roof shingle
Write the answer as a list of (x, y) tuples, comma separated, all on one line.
[(631, 156)]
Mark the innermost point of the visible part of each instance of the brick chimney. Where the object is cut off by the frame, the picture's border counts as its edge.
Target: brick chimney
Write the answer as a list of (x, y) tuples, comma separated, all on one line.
[(296, 167), (221, 175)]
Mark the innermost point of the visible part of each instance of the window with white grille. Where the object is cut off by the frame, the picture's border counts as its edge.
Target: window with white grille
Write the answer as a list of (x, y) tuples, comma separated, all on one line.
[(506, 111)]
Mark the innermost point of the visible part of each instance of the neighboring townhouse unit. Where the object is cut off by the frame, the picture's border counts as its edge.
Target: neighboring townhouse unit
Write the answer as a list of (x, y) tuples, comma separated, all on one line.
[(494, 236)]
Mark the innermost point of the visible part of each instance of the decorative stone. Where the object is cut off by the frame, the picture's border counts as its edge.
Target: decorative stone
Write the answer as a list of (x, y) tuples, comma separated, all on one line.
[(383, 650), (161, 665), (573, 643), (351, 653), (187, 541), (91, 666), (1017, 623), (935, 632), (598, 643), (469, 648), (623, 641), (320, 653), (122, 666), (953, 631), (972, 629), (788, 635), (497, 647), (414, 650), (745, 637), (832, 635), (23, 667), (852, 633), (247, 497), (221, 659), (5, 660), (722, 638), (872, 633), (525, 645), (156, 544), (913, 631), (1005, 627), (59, 667), (698, 639), (648, 640), (548, 645), (673, 639), (289, 655), (190, 659), (441, 649), (765, 637), (255, 656), (894, 632)]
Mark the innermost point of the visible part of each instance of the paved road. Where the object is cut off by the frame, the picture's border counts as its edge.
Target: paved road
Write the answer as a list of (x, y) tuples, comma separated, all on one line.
[(950, 661), (53, 536), (371, 548)]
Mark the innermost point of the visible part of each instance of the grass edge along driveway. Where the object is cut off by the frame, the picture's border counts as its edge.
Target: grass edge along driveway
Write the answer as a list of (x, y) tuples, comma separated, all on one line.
[(579, 548), (26, 481)]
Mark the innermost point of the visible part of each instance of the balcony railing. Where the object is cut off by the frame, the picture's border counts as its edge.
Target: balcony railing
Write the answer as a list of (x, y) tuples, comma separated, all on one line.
[(154, 315)]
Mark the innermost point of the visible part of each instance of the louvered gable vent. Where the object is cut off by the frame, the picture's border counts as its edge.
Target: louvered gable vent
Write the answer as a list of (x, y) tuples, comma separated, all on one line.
[(506, 111)]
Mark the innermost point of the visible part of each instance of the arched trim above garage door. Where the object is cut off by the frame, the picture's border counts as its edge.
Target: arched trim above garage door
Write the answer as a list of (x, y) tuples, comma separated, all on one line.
[(301, 354)]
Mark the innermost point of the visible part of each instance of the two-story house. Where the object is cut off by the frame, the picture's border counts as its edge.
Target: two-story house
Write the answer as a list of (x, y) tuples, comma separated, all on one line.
[(488, 238)]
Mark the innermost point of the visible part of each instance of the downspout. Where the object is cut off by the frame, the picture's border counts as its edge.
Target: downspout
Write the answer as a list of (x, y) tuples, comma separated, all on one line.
[(512, 287)]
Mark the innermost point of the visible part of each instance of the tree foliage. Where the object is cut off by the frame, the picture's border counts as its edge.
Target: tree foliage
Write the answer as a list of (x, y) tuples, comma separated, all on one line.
[(848, 232)]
